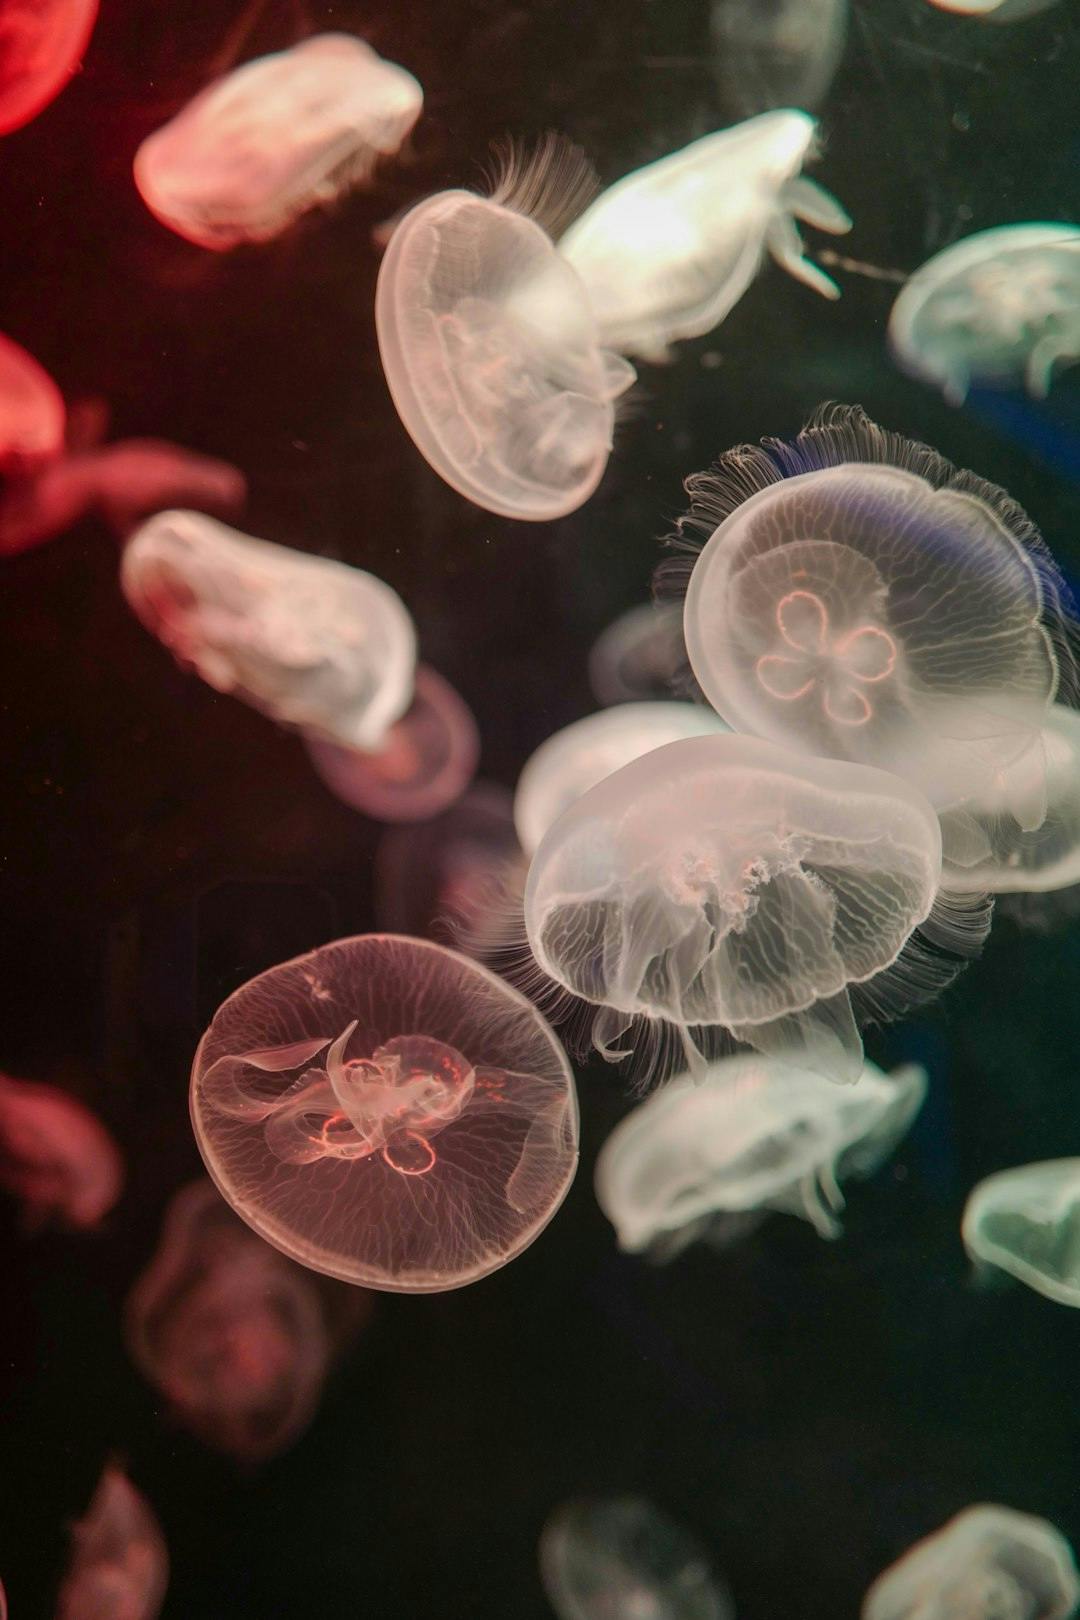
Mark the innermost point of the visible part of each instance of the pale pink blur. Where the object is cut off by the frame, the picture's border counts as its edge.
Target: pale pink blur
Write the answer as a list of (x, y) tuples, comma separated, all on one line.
[(119, 1567), (56, 1157), (31, 409), (42, 43)]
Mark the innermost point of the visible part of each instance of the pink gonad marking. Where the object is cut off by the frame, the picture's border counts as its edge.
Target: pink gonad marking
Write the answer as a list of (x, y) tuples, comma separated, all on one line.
[(841, 667)]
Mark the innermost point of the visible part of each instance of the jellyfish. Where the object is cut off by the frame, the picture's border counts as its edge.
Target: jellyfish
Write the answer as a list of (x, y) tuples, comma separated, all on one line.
[(639, 657), (42, 44), (574, 759), (777, 53), (32, 413), (988, 1561), (56, 1157), (387, 1112), (119, 1568), (668, 251), (995, 11), (436, 879), (314, 644), (274, 139), (858, 598), (619, 1558), (489, 343), (1026, 1221), (998, 308)]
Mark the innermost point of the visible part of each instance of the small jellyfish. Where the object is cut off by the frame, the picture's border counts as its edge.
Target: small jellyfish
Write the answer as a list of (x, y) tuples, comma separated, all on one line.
[(639, 657), (42, 44), (755, 1135), (621, 1558), (667, 252), (32, 413), (56, 1157), (995, 11), (998, 308), (439, 878), (987, 1563), (119, 1568), (574, 759), (388, 1112), (1026, 1221), (489, 344), (777, 53), (275, 138)]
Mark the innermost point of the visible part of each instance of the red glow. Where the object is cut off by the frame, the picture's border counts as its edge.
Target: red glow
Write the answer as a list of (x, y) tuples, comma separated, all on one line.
[(41, 45)]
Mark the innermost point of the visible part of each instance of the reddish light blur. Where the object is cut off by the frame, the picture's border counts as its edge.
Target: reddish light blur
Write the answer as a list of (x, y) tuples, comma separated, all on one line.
[(42, 43), (56, 1157), (31, 409), (119, 1566)]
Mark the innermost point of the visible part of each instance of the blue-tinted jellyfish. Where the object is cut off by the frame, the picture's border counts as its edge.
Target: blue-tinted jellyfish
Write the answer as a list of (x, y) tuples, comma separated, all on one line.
[(777, 53), (275, 138), (1026, 1222), (998, 308), (668, 251), (639, 657), (119, 1568), (56, 1157), (755, 1135), (621, 1558), (987, 1562)]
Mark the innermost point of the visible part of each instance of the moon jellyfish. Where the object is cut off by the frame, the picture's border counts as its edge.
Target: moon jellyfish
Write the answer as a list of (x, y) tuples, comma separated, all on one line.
[(388, 1112), (988, 1561), (756, 1135), (1026, 1221), (275, 138), (119, 1567), (56, 1157), (620, 1557), (489, 344), (777, 53), (439, 878), (722, 884), (574, 759), (32, 413), (668, 251), (856, 596), (639, 656), (42, 43), (998, 308)]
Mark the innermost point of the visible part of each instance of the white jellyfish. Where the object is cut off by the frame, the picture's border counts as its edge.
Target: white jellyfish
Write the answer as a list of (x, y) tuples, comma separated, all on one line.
[(755, 1135), (1000, 308), (622, 1558), (668, 251), (988, 1561), (1026, 1221), (639, 656), (275, 138), (995, 11), (777, 53)]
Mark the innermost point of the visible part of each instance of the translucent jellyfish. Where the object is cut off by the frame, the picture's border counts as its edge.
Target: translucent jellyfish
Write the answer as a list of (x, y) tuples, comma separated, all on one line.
[(621, 1558), (668, 251), (755, 1135), (275, 138), (119, 1567), (860, 598), (56, 1157), (438, 879), (32, 413), (387, 1112), (998, 308), (42, 43), (777, 53), (987, 1562), (639, 656), (995, 11), (490, 348), (574, 759), (1026, 1221), (722, 883)]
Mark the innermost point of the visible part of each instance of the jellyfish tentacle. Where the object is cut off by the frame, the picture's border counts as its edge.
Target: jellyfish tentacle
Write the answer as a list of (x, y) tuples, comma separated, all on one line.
[(788, 249), (224, 1086), (813, 204)]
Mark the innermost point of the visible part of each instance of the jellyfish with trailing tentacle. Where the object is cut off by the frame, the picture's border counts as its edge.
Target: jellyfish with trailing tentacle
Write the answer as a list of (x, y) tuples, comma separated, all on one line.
[(1026, 1222), (56, 1157), (615, 1557), (274, 139), (119, 1567), (32, 412), (314, 644), (42, 44), (388, 1112)]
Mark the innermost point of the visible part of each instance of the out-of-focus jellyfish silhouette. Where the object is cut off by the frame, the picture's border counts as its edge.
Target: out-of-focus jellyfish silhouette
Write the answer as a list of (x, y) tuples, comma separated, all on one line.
[(853, 595), (571, 761), (998, 308), (640, 655), (490, 347), (995, 11), (388, 1112), (56, 1157), (1026, 1221), (42, 43), (668, 251), (755, 1135), (275, 138), (723, 884), (438, 879), (621, 1558), (777, 53), (988, 1561), (32, 413), (233, 1334), (119, 1567)]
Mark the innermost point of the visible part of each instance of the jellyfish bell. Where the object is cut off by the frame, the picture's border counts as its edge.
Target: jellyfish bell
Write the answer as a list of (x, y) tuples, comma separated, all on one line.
[(275, 138), (32, 412), (640, 655), (622, 1556), (387, 1112), (42, 44), (777, 53), (999, 308), (1026, 1222), (995, 11), (56, 1157), (119, 1568)]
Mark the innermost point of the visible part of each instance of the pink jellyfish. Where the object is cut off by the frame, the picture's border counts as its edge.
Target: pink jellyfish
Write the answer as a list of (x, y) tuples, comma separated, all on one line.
[(56, 1157), (119, 1567), (31, 410), (388, 1112), (42, 43)]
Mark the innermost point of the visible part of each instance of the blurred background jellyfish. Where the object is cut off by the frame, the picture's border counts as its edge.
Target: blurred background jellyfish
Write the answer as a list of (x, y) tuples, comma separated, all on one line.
[(755, 1135), (314, 644), (669, 250), (56, 1157), (777, 53), (275, 138), (32, 413), (1026, 1222), (1000, 308), (996, 11), (490, 346), (987, 1561), (119, 1567), (640, 655), (439, 878), (387, 1112), (42, 43), (622, 1558)]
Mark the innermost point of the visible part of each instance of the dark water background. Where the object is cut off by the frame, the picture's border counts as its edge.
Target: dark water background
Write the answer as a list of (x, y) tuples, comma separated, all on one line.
[(807, 1408)]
